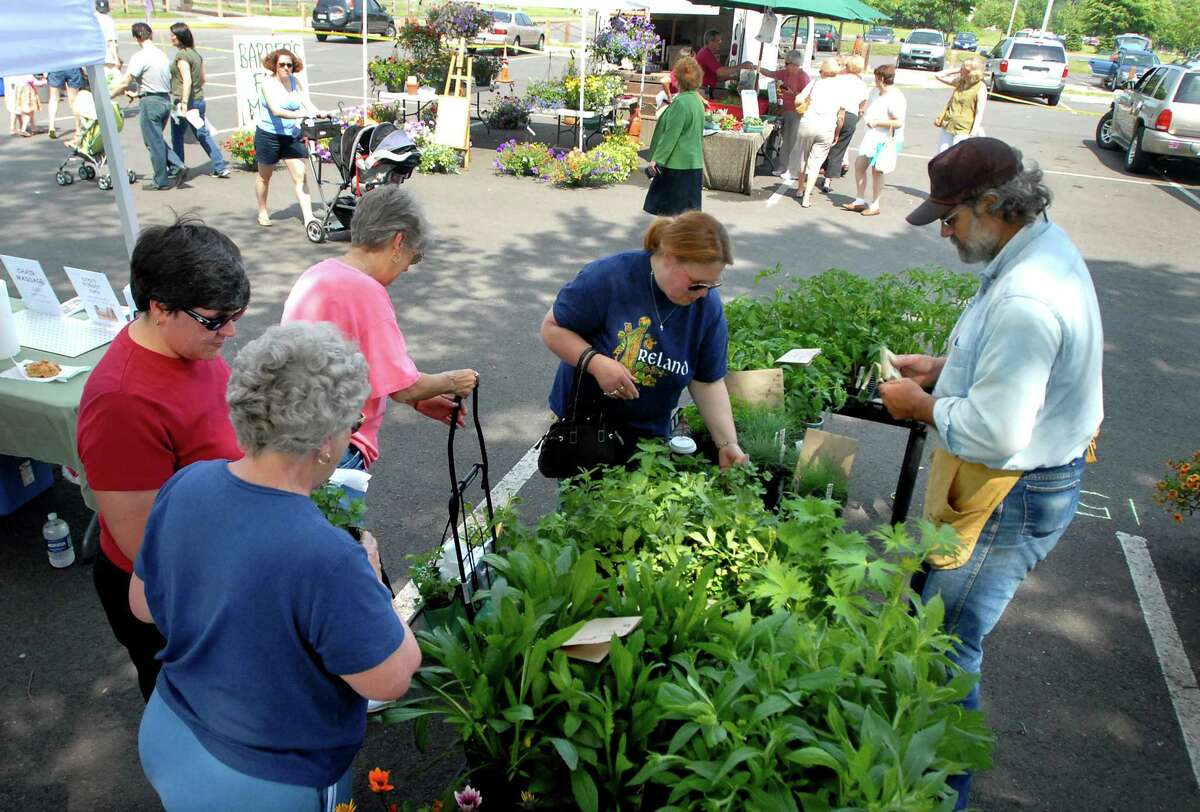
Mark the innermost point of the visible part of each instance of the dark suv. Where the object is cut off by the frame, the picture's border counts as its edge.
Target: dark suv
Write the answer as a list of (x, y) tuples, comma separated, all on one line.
[(344, 17)]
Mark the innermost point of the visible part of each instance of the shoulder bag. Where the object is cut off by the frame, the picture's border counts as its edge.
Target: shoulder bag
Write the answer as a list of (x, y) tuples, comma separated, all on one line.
[(582, 438)]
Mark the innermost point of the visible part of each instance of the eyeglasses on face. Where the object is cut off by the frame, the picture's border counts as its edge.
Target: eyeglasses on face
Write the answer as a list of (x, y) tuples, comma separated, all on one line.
[(948, 220), (696, 287), (213, 323), (284, 65), (358, 424)]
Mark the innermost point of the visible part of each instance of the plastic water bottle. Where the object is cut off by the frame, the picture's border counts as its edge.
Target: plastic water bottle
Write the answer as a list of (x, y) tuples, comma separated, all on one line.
[(58, 542)]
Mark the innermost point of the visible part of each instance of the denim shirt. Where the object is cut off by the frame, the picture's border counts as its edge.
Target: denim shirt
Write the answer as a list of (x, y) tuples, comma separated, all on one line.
[(1021, 388)]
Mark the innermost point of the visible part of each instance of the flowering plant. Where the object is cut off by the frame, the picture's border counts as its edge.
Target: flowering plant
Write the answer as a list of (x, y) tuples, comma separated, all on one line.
[(321, 151), (388, 71), (609, 163), (439, 159), (547, 95), (632, 38), (386, 111), (509, 113), (418, 132), (598, 91), (1178, 492), (524, 159), (241, 146), (595, 168), (455, 19)]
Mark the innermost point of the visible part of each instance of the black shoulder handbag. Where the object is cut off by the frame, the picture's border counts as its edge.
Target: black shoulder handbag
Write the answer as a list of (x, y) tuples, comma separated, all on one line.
[(583, 438)]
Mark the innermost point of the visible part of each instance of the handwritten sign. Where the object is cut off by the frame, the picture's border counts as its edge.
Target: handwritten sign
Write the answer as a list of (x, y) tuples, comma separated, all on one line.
[(97, 297), (36, 291), (248, 53)]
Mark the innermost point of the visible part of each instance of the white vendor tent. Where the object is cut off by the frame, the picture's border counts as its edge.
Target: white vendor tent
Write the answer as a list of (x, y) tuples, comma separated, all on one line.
[(58, 35)]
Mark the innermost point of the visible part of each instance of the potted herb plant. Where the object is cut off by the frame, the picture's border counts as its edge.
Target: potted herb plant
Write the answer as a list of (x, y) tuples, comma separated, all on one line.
[(768, 438), (441, 599)]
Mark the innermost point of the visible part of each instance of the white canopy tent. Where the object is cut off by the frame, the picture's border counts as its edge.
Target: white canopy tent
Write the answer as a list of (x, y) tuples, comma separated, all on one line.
[(60, 35)]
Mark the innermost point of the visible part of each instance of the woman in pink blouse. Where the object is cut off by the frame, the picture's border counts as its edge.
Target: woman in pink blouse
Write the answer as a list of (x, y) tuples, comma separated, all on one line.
[(387, 236)]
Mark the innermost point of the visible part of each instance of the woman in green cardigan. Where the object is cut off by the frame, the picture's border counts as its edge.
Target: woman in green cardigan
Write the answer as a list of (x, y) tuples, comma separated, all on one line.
[(677, 151)]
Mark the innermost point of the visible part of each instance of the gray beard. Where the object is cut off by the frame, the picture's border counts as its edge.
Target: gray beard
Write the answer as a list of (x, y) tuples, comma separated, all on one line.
[(979, 245)]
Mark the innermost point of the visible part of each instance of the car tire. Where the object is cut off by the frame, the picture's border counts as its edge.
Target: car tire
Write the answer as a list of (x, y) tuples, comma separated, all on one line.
[(1104, 138), (390, 31), (1136, 159), (1054, 99), (517, 44), (541, 43), (322, 37), (941, 66)]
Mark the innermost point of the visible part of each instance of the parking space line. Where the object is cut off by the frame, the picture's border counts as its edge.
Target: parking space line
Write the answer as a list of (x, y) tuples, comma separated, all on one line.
[(1064, 173), (1176, 668)]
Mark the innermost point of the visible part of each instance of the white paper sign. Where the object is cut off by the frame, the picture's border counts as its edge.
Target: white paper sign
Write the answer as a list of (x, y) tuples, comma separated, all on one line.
[(773, 92), (766, 29), (36, 292), (127, 292), (749, 104), (97, 296), (248, 53), (802, 356)]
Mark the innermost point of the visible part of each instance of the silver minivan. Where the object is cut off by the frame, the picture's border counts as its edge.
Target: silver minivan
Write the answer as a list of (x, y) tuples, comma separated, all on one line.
[(1027, 67), (1159, 116)]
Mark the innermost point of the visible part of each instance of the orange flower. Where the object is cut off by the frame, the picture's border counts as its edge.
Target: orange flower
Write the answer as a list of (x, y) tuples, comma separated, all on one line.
[(1172, 495), (1179, 518), (1184, 468), (436, 806), (380, 780)]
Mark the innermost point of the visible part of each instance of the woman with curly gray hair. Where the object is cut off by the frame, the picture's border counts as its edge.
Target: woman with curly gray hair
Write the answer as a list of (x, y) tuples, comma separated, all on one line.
[(388, 235), (244, 576)]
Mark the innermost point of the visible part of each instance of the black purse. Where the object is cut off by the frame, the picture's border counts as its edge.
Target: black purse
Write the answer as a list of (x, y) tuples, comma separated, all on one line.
[(583, 438)]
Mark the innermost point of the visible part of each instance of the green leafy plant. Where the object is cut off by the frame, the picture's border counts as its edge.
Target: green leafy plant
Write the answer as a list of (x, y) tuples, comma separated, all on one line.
[(523, 159), (1178, 492), (426, 575), (439, 159), (815, 479), (509, 113), (388, 71), (336, 508)]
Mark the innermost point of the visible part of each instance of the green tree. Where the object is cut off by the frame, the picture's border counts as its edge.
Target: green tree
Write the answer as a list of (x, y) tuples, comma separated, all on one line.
[(944, 15), (1111, 17), (1179, 28), (995, 14)]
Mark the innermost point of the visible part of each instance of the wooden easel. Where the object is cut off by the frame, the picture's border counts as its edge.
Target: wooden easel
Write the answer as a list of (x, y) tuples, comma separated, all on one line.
[(453, 126)]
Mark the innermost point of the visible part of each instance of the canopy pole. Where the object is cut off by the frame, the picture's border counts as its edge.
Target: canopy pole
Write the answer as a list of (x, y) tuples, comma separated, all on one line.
[(117, 168), (365, 10), (810, 40), (582, 69)]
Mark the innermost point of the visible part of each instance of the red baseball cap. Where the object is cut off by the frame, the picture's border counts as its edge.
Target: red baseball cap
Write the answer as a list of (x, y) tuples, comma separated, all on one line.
[(961, 172)]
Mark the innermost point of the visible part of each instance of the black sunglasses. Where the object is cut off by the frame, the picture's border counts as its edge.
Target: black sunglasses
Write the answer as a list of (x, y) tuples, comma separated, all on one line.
[(284, 65), (213, 323), (696, 287), (358, 424)]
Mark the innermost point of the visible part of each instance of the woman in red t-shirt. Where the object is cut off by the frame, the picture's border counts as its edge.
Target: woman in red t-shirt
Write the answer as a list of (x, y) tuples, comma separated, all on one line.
[(156, 403), (792, 81)]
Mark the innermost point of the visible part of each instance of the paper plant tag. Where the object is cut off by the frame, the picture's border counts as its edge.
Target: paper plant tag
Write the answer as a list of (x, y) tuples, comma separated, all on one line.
[(801, 356), (592, 641), (754, 386), (833, 449)]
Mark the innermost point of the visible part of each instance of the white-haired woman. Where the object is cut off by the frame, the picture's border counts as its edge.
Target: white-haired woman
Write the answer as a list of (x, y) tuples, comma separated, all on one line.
[(792, 81), (854, 100), (387, 236), (821, 118), (278, 628), (962, 117)]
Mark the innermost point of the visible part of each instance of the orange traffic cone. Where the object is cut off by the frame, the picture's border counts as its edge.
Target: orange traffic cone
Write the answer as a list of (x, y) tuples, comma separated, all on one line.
[(504, 77)]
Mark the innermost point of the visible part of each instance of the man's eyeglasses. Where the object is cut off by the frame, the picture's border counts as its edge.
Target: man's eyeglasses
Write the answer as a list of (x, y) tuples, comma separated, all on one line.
[(358, 424), (213, 323), (696, 287), (948, 220)]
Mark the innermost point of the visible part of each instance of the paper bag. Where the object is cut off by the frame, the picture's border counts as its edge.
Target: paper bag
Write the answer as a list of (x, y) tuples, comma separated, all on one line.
[(755, 386), (831, 449), (591, 643)]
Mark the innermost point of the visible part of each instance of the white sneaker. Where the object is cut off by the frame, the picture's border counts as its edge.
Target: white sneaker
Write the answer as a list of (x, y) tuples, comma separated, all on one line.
[(787, 177)]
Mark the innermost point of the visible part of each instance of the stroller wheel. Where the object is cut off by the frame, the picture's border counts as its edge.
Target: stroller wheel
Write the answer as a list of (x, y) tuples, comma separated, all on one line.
[(63, 178), (132, 176), (86, 172), (316, 231), (104, 183)]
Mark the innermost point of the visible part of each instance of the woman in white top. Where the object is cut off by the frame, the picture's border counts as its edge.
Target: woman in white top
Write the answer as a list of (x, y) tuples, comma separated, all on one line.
[(854, 100), (817, 126), (884, 117)]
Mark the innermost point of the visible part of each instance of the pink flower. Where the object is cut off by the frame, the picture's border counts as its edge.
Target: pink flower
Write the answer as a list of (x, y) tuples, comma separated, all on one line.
[(469, 799)]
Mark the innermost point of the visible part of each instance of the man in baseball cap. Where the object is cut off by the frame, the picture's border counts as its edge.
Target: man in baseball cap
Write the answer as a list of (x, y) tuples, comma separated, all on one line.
[(1016, 399)]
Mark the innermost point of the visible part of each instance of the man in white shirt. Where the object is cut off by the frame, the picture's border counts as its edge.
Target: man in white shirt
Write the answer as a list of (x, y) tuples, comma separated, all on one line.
[(112, 56), (1017, 400), (151, 68)]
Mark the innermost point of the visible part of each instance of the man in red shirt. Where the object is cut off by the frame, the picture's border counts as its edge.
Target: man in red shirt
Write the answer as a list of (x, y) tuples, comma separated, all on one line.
[(710, 63)]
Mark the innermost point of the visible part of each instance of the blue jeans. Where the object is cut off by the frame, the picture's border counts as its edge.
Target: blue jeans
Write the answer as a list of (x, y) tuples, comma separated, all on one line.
[(154, 110), (1020, 533), (188, 778), (179, 125)]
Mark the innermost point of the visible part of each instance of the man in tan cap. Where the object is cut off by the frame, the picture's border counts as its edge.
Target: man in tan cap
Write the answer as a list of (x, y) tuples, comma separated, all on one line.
[(1016, 399)]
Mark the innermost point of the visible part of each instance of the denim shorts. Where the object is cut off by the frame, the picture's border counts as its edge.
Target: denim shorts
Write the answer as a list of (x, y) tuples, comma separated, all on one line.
[(73, 78), (270, 148)]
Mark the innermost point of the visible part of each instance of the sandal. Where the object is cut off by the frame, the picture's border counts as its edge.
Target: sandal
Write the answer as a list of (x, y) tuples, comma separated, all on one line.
[(870, 212), (854, 207), (264, 223)]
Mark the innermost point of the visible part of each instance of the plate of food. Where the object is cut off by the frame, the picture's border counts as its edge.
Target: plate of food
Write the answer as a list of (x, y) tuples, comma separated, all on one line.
[(41, 370)]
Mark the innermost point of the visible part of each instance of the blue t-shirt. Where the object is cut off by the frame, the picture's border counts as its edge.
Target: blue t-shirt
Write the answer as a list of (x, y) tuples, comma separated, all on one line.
[(610, 304), (263, 603)]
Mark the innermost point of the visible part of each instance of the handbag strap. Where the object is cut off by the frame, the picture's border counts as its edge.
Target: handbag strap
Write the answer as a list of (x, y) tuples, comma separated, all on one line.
[(581, 365)]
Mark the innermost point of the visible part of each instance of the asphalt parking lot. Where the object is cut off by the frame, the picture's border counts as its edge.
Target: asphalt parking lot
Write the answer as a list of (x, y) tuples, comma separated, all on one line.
[(1074, 679)]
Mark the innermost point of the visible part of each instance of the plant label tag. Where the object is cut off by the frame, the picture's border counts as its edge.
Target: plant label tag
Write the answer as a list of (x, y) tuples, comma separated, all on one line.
[(832, 449), (591, 643), (98, 297), (36, 292), (802, 357), (754, 386), (749, 103)]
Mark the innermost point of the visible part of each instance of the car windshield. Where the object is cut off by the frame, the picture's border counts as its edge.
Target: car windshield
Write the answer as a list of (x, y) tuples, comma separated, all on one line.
[(1037, 53), (1189, 89), (966, 36), (878, 29), (1132, 42), (501, 16), (824, 28), (1130, 58), (924, 38)]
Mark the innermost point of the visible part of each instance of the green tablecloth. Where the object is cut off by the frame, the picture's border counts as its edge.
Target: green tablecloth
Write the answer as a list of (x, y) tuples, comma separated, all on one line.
[(39, 418), (729, 160)]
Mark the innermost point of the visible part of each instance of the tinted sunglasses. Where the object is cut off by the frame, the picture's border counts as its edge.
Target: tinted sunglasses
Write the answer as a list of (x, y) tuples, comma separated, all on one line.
[(213, 323), (696, 287), (284, 65)]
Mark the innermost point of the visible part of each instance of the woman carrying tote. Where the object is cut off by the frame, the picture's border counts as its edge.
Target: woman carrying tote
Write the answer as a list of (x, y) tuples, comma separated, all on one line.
[(282, 104), (676, 167), (962, 117), (877, 153), (645, 325)]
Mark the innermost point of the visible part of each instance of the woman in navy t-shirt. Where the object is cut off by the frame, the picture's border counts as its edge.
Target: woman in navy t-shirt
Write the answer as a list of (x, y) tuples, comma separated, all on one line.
[(656, 323)]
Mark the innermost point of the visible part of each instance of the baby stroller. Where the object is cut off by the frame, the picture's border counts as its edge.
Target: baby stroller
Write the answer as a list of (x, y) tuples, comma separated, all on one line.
[(365, 156), (88, 150)]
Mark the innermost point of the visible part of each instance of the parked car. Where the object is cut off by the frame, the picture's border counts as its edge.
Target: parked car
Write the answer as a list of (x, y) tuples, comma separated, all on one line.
[(794, 30), (923, 48), (880, 33), (1159, 116), (1028, 67), (965, 41), (1136, 42), (344, 17), (1119, 63), (1092, 41), (511, 27), (827, 37)]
